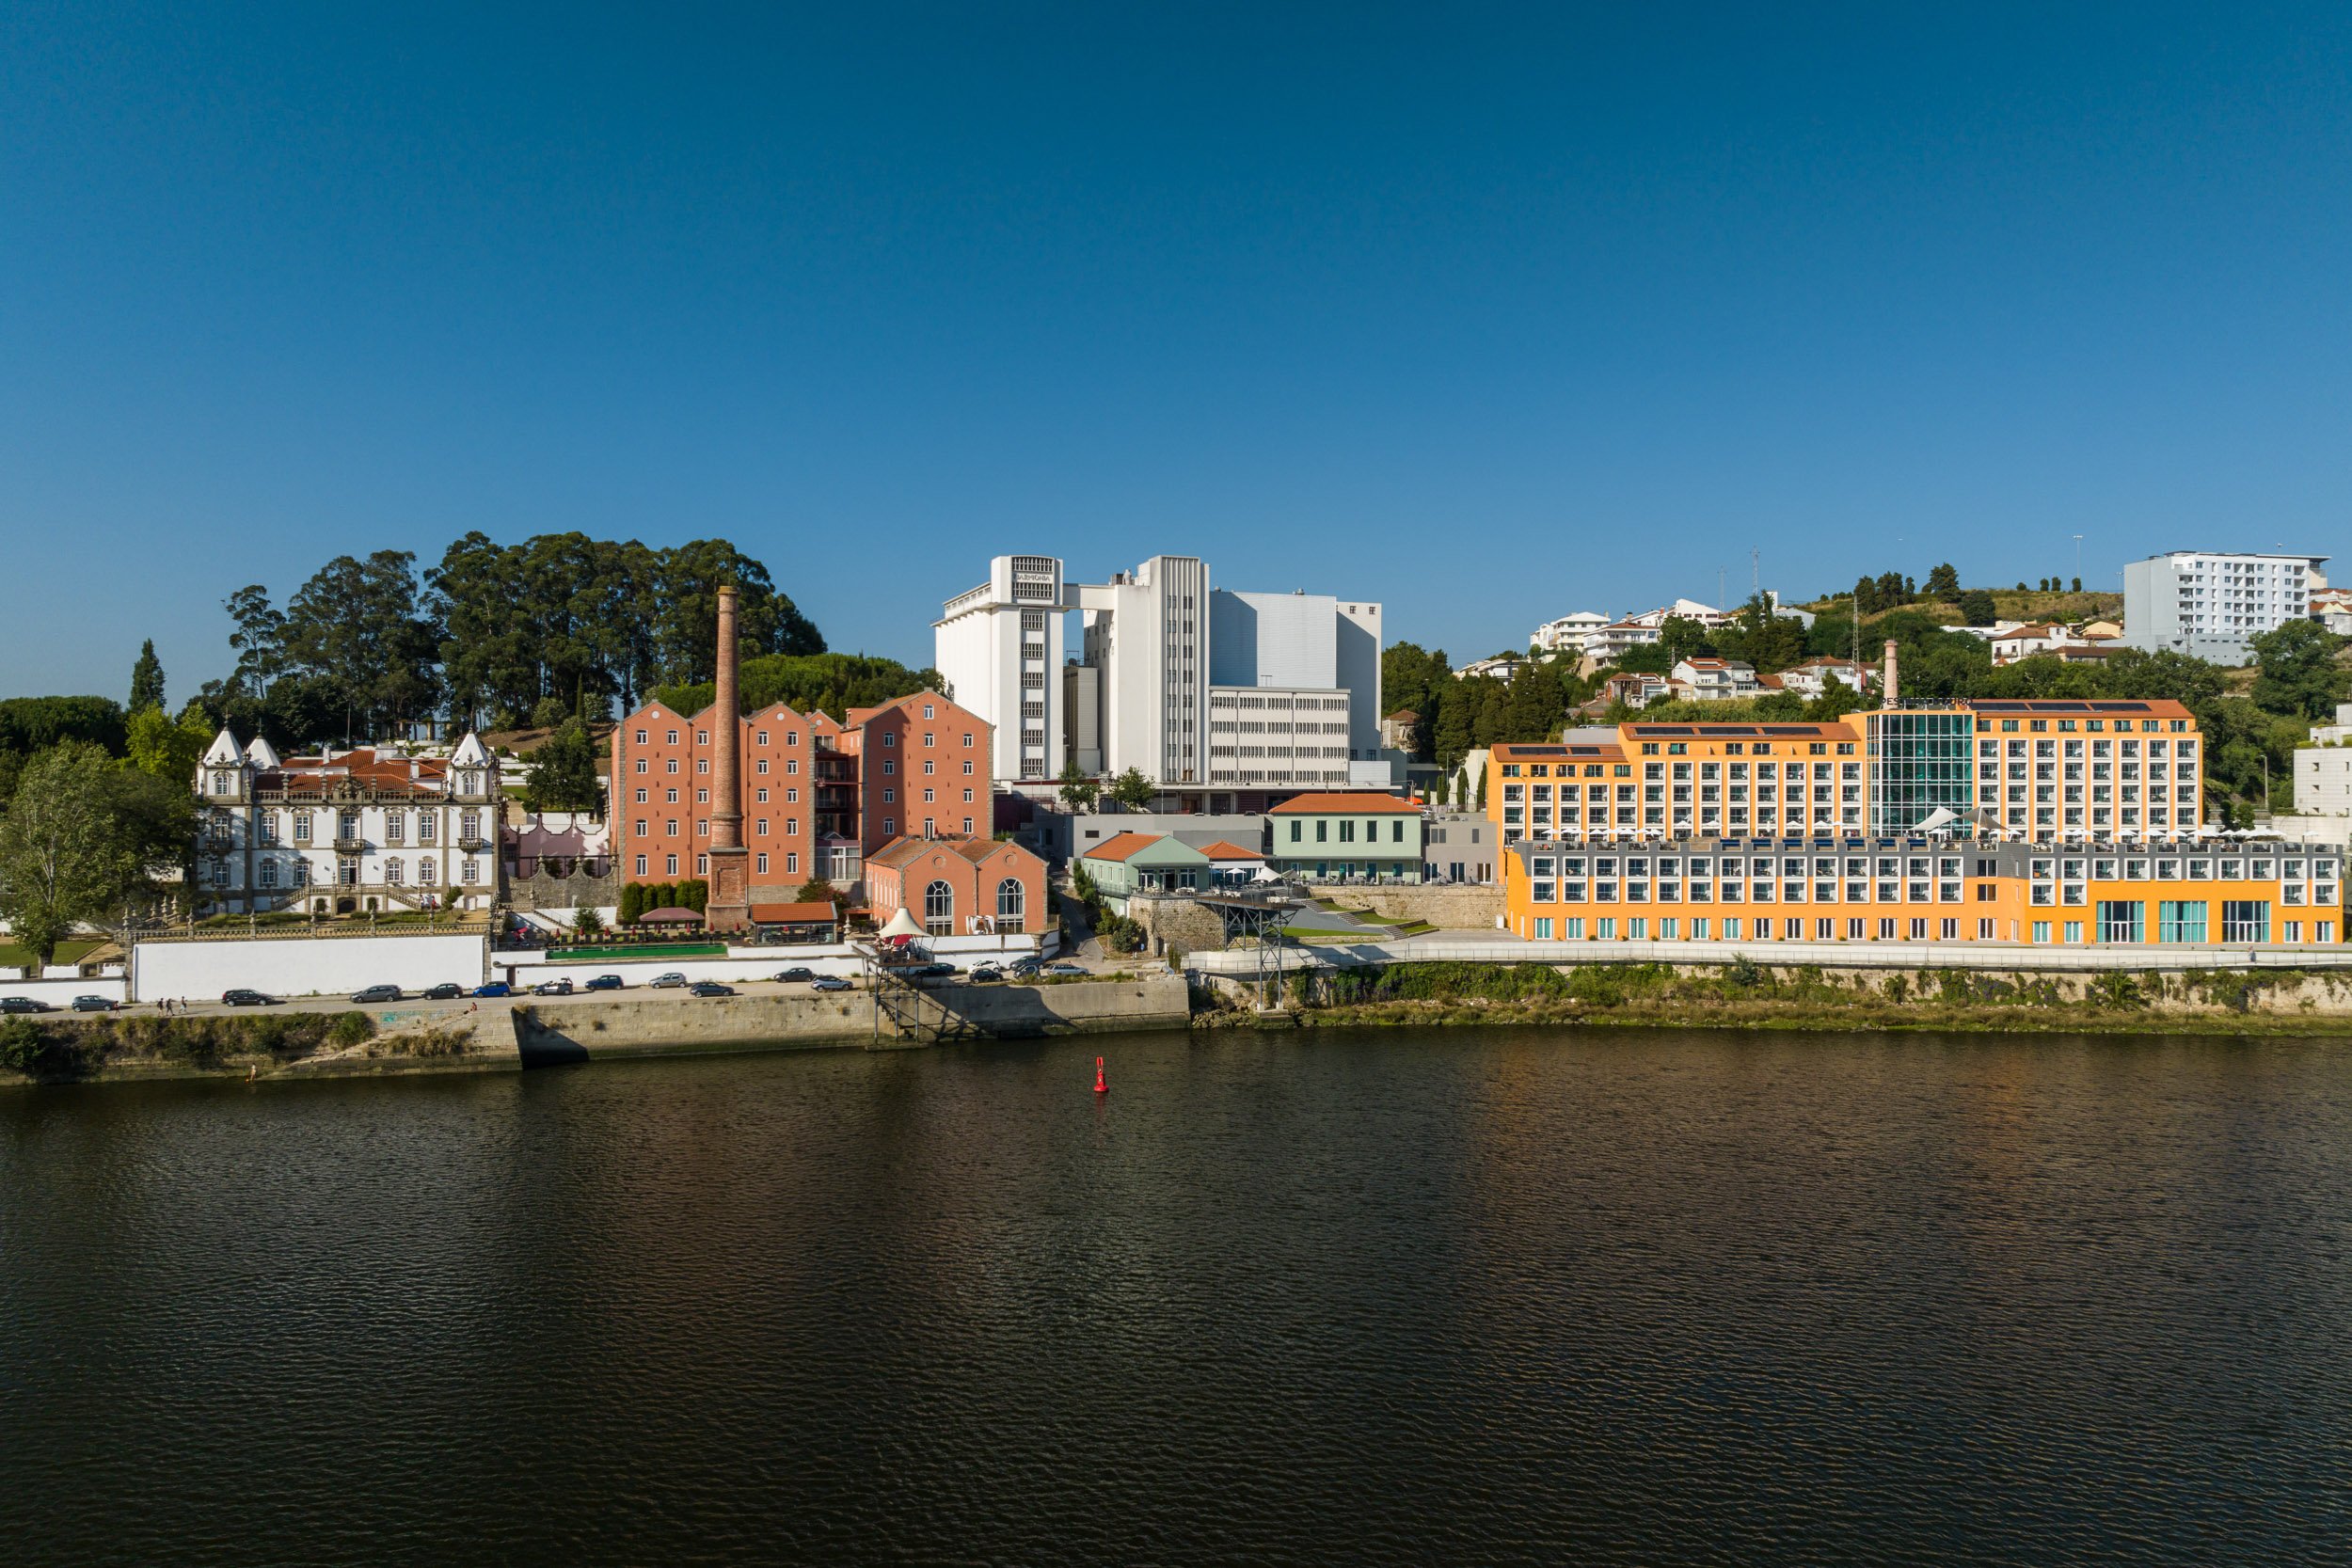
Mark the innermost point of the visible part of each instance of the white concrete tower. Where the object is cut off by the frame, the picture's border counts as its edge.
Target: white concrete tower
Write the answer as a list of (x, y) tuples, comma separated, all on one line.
[(999, 647)]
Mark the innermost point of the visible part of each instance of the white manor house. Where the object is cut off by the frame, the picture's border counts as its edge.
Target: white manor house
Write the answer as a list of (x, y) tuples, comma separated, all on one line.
[(350, 833)]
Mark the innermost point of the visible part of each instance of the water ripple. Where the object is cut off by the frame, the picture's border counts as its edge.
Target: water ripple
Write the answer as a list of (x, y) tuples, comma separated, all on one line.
[(1468, 1297)]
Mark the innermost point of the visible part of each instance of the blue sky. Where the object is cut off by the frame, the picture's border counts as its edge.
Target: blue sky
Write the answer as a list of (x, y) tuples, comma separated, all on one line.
[(1488, 313)]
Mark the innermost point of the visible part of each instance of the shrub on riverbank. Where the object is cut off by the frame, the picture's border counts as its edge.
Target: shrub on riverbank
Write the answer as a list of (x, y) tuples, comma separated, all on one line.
[(1802, 996), (70, 1047)]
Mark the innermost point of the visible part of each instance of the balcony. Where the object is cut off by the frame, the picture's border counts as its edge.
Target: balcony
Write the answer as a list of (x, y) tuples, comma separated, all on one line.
[(472, 842)]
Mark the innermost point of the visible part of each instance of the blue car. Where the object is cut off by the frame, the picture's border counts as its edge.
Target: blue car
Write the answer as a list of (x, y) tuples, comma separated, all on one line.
[(496, 988), (605, 982)]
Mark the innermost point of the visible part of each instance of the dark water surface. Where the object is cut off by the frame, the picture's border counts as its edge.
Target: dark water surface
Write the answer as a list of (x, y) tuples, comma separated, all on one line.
[(1458, 1297)]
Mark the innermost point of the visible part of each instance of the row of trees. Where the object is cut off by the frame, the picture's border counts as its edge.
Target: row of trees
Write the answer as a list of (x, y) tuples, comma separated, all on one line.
[(1893, 590), (492, 636), (809, 683)]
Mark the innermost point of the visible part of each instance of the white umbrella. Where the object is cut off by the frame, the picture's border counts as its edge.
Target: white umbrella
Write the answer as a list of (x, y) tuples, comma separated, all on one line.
[(902, 924)]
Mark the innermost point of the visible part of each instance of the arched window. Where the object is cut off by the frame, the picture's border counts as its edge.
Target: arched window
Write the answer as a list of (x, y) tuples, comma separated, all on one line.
[(939, 909), (1011, 904)]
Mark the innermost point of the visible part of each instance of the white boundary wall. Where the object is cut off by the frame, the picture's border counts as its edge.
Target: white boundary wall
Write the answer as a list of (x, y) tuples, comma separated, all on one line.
[(303, 966), (757, 963), (57, 993)]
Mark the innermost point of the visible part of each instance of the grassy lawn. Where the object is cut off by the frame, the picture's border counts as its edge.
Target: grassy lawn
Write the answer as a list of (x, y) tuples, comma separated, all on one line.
[(68, 952)]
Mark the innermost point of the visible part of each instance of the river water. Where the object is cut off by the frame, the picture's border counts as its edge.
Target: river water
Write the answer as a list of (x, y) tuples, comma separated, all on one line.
[(1461, 1296)]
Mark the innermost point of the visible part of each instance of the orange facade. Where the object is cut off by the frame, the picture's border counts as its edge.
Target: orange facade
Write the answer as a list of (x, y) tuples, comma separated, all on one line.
[(2027, 821)]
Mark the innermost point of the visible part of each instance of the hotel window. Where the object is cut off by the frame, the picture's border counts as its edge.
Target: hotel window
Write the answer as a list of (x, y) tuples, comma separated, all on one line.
[(2120, 920), (763, 864), (2246, 920), (701, 864), (791, 864), (669, 865), (641, 862)]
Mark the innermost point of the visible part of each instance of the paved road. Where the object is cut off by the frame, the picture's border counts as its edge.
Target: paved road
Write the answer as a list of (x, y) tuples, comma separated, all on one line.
[(416, 1007)]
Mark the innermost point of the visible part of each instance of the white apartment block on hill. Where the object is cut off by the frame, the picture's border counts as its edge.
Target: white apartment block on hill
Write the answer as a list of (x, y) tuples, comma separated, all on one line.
[(2210, 604)]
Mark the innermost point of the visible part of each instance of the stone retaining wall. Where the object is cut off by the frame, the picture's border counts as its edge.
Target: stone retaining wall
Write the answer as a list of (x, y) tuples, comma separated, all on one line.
[(576, 1029), (1449, 907)]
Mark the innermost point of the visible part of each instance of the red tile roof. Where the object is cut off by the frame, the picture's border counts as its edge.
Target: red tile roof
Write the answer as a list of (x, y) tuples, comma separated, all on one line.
[(1120, 845), (1333, 802), (1225, 849), (793, 914)]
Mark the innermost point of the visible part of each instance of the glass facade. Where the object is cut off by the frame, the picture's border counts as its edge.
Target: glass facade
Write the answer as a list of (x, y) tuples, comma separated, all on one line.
[(2181, 920), (1918, 762)]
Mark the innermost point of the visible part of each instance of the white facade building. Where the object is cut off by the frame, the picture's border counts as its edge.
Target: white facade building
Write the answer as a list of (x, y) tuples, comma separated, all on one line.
[(1568, 633), (999, 647), (346, 832), (2209, 605), (1195, 687)]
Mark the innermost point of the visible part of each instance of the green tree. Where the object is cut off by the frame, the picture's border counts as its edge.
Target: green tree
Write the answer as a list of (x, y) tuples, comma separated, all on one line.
[(358, 624), (83, 838), (694, 895), (812, 683), (1456, 716), (566, 772), (2078, 585), (1944, 583), (1769, 642), (2294, 670), (1077, 791), (1415, 678), (157, 745), (816, 890), (1976, 607), (1131, 790), (1533, 706), (260, 640), (632, 903), (1683, 638), (147, 680), (29, 724), (587, 923)]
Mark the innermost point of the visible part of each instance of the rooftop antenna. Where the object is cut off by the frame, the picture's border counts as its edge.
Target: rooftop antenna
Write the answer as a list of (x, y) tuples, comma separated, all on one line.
[(1755, 575)]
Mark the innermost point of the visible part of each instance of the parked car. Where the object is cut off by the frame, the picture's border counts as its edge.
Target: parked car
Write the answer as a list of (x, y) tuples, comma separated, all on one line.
[(709, 987), (377, 993), (243, 998), (831, 982), (606, 982), (496, 988), (448, 991), (1022, 969), (984, 973), (23, 1004), (794, 976), (662, 981), (94, 1005), (552, 988), (1064, 969), (929, 971)]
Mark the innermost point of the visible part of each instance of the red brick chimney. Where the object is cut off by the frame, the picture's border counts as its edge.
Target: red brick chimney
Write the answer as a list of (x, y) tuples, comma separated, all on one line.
[(730, 882)]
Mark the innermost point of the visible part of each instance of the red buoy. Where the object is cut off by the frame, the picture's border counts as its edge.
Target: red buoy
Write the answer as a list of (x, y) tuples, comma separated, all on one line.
[(1102, 1085)]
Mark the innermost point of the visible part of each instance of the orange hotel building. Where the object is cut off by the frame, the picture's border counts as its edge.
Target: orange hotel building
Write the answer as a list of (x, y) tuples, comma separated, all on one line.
[(2056, 822), (818, 796)]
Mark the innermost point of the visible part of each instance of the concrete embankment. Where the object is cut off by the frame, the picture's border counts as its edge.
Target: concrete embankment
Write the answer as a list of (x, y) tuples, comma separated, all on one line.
[(549, 1032), (576, 1029)]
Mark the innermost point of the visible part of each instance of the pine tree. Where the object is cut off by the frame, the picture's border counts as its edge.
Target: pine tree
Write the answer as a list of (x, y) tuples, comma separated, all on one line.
[(147, 679)]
